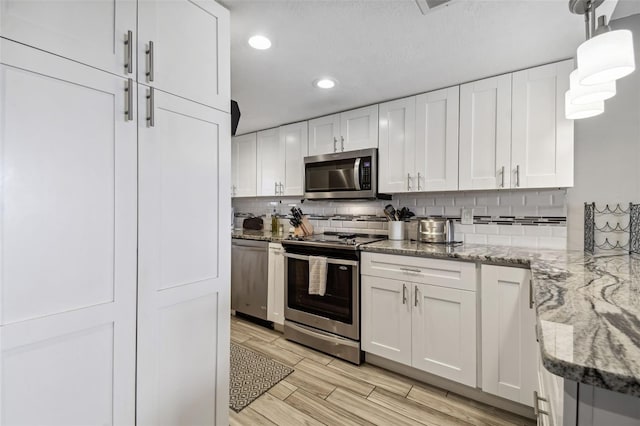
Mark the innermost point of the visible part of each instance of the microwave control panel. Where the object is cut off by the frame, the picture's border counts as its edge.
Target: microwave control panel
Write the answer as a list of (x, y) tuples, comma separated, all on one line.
[(365, 173)]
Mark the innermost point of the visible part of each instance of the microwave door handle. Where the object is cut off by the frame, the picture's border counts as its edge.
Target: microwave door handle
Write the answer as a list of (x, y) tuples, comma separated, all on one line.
[(356, 174)]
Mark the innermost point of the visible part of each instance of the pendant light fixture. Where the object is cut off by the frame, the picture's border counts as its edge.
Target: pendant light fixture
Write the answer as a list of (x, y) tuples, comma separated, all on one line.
[(602, 59)]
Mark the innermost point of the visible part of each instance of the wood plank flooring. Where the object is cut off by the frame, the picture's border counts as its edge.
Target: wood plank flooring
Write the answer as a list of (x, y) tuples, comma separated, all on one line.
[(327, 391)]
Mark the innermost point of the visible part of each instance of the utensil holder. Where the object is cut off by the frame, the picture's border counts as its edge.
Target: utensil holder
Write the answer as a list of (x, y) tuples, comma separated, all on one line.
[(396, 230)]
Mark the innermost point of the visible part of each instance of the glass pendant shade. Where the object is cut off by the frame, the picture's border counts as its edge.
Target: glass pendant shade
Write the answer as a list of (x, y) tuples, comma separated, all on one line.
[(581, 94), (576, 112), (606, 57)]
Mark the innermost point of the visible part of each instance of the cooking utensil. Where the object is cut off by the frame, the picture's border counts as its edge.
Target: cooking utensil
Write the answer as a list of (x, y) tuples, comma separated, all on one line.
[(390, 212)]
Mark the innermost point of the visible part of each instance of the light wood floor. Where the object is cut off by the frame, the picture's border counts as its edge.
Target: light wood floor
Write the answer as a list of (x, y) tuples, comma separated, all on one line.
[(326, 391)]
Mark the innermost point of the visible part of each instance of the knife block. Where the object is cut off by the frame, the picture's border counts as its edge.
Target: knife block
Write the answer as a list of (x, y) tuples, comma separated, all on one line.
[(304, 230)]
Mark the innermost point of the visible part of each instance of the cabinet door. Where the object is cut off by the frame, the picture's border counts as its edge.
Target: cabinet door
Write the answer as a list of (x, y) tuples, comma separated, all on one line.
[(89, 32), (437, 119), (293, 139), (243, 166), (396, 161), (68, 237), (542, 145), (275, 299), (359, 129), (270, 163), (184, 258), (324, 135), (190, 53), (386, 318), (508, 334), (444, 332), (485, 133)]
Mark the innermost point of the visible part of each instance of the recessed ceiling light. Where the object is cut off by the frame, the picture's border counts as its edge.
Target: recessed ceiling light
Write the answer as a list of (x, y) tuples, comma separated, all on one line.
[(325, 83), (259, 42)]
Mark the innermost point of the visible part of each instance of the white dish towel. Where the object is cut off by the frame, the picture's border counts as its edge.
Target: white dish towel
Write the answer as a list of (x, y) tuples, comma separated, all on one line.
[(317, 275)]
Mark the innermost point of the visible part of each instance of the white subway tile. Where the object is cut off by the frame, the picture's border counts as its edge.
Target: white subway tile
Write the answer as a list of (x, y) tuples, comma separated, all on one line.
[(511, 230), (559, 231), (524, 210), (465, 201), (359, 224), (487, 200), (444, 201), (538, 199), (538, 231), (475, 239), (499, 240), (552, 243), (511, 198), (480, 211), (487, 229), (434, 211), (553, 211), (498, 211), (524, 242), (452, 211)]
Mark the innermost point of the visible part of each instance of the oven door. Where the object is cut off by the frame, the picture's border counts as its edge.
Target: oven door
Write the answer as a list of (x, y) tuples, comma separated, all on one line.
[(338, 310)]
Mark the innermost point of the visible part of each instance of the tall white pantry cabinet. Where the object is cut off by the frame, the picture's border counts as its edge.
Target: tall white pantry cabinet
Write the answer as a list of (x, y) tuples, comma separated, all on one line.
[(114, 184)]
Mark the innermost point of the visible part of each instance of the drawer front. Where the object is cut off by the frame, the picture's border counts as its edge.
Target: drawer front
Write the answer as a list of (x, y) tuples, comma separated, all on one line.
[(443, 273)]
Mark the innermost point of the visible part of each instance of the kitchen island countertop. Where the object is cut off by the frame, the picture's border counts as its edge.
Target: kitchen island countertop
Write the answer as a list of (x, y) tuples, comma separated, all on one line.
[(587, 306)]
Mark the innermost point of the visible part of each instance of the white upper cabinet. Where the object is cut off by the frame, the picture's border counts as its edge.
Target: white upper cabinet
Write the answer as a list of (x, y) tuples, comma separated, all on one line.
[(324, 134), (347, 131), (183, 49), (243, 166), (436, 152), (359, 129), (293, 141), (68, 238), (270, 163), (485, 133), (91, 32), (542, 138), (508, 334), (396, 159)]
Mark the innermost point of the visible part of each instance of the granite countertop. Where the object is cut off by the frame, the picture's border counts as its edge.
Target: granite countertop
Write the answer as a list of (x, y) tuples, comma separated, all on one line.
[(588, 307), (264, 235)]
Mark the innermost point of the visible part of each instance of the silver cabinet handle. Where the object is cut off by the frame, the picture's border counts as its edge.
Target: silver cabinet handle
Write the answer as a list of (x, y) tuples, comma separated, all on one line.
[(151, 106), (275, 188), (415, 271), (415, 295), (419, 181), (128, 49), (536, 410), (530, 294), (342, 142), (149, 53), (128, 90), (335, 144), (404, 293), (518, 175), (408, 181), (502, 177)]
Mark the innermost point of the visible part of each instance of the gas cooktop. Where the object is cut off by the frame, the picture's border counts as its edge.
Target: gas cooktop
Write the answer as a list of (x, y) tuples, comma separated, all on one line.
[(342, 240)]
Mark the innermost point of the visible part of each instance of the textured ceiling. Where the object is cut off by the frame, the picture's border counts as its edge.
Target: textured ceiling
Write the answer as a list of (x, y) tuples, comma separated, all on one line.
[(383, 49)]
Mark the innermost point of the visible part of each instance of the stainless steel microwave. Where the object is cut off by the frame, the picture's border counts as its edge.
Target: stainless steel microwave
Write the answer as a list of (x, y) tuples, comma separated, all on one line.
[(343, 175)]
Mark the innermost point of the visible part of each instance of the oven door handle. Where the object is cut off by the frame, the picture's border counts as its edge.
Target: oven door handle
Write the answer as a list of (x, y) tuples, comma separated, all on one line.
[(329, 259)]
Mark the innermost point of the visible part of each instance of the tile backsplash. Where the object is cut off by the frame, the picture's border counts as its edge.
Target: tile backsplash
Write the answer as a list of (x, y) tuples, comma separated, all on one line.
[(522, 218)]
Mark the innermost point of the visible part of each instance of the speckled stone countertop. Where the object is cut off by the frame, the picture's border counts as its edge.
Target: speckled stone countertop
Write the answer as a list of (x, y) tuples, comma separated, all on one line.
[(245, 234), (588, 307)]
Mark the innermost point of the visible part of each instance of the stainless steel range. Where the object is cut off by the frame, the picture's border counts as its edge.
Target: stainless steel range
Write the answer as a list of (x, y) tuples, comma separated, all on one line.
[(329, 323)]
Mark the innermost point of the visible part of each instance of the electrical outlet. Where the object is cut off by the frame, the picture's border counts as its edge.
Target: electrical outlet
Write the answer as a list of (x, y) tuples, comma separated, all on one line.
[(466, 218)]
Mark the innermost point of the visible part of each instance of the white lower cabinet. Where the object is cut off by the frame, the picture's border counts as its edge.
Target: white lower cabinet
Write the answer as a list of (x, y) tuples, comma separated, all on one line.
[(426, 324), (275, 298), (508, 334), (444, 332)]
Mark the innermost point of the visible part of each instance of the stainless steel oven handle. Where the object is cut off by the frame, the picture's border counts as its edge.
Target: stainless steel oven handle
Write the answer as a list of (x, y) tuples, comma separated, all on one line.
[(356, 173), (329, 260)]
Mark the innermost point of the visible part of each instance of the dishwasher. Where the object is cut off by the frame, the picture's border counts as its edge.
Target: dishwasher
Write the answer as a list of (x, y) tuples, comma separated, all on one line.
[(249, 277)]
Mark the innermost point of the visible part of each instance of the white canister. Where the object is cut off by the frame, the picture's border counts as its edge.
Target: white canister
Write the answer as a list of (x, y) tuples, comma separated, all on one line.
[(396, 230)]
